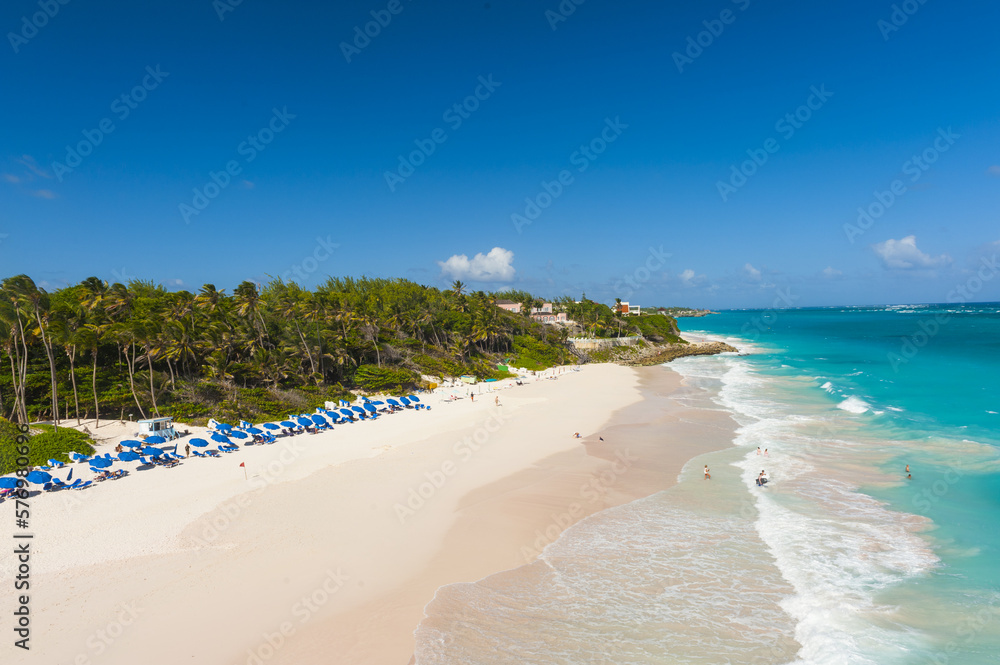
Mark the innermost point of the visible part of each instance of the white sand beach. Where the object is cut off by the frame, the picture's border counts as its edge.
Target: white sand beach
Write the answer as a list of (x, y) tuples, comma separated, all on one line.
[(331, 546)]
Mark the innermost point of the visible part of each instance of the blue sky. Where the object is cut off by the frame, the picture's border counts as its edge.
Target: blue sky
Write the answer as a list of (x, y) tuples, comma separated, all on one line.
[(310, 128)]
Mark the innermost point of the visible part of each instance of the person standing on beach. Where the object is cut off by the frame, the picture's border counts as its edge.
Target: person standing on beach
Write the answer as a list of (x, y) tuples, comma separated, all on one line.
[(498, 400), (187, 450), (758, 450), (708, 476)]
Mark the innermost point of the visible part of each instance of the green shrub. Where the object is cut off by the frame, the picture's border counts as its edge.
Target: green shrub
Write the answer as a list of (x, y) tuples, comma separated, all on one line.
[(533, 354), (384, 379), (49, 444)]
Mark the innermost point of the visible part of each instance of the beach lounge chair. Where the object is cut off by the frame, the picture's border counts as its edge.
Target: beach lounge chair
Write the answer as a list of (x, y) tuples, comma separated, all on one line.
[(84, 485), (58, 484), (55, 464), (77, 457)]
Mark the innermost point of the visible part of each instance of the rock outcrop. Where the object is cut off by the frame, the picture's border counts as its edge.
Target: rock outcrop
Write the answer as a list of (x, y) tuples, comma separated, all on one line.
[(659, 354)]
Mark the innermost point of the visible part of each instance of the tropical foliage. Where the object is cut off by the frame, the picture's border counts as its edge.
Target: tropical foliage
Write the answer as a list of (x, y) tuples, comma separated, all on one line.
[(106, 350)]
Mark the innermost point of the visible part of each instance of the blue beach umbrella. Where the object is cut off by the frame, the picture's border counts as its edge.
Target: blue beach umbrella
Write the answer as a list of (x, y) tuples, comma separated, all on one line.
[(378, 403), (155, 439), (254, 430), (128, 456), (370, 407), (132, 444), (219, 438), (102, 462), (319, 420), (198, 443), (239, 435), (413, 399), (347, 412), (272, 426), (38, 477), (288, 423), (223, 426), (305, 422), (152, 450), (405, 401), (8, 483), (393, 402), (358, 409)]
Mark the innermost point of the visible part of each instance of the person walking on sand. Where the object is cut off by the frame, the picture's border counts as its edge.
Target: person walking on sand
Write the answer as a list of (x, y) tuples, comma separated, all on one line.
[(497, 400), (708, 476), (187, 450)]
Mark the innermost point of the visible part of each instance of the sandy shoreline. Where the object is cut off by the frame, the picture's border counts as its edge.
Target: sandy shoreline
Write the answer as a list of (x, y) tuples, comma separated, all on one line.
[(339, 554)]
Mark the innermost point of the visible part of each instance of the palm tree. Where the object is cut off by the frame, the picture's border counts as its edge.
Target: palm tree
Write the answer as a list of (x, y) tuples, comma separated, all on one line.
[(90, 337), (36, 302)]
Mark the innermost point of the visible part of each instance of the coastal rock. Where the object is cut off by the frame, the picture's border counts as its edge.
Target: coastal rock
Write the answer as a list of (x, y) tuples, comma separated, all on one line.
[(657, 355)]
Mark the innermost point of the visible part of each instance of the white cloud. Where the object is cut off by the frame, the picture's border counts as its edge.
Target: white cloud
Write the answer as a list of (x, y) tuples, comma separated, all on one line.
[(831, 272), (493, 267), (903, 254), (752, 272), (690, 278)]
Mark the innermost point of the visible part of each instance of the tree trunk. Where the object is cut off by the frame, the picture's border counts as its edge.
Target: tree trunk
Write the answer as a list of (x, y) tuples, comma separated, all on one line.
[(130, 365), (97, 406), (52, 370), (72, 377), (152, 391), (305, 345)]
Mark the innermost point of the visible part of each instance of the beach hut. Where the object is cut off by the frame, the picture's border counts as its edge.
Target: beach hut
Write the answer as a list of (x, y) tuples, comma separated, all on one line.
[(158, 427)]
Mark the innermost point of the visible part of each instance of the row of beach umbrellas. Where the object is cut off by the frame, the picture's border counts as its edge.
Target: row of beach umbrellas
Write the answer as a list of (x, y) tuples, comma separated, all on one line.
[(137, 449)]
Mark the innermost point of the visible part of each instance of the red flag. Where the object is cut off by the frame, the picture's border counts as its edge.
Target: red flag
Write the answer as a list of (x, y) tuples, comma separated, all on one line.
[(243, 464)]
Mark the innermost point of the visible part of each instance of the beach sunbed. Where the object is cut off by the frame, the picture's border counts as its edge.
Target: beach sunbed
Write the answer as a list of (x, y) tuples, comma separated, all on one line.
[(84, 485)]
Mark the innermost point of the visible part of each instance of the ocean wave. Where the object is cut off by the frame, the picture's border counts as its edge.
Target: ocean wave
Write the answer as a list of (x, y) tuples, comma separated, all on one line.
[(854, 404)]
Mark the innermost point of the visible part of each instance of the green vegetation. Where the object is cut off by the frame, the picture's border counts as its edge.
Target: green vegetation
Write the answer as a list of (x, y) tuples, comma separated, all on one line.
[(137, 350), (656, 328), (44, 443), (534, 354), (385, 379)]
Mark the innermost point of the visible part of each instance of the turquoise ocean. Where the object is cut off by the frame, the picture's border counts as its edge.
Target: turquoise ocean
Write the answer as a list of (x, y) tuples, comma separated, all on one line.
[(840, 559)]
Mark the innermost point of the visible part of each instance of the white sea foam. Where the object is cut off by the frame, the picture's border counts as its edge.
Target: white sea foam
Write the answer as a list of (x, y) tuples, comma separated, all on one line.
[(837, 547), (854, 404)]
